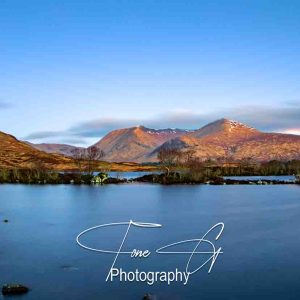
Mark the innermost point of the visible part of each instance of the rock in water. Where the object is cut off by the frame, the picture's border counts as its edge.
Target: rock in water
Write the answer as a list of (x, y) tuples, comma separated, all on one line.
[(14, 289), (149, 297)]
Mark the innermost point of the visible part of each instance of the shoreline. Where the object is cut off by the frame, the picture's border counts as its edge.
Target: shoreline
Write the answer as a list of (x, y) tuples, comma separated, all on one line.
[(141, 180), (39, 176)]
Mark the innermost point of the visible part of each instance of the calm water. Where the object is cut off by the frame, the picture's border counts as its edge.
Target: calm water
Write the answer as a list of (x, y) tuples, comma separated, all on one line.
[(287, 178), (261, 240)]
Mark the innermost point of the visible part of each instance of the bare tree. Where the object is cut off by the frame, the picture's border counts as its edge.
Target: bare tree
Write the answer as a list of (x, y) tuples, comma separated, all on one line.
[(168, 158), (247, 164), (78, 155), (187, 157), (87, 159), (92, 156)]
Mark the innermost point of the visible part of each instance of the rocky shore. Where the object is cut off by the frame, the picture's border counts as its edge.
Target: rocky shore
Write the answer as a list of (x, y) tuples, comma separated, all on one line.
[(14, 289), (155, 178), (175, 178)]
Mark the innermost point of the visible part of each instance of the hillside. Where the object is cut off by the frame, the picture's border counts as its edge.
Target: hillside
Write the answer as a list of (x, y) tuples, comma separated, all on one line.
[(133, 144), (226, 139), (67, 150), (17, 154)]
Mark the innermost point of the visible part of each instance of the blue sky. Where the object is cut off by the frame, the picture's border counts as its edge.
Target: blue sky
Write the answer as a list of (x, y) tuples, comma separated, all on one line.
[(70, 71)]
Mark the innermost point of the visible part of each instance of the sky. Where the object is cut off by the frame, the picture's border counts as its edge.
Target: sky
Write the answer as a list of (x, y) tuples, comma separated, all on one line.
[(71, 71)]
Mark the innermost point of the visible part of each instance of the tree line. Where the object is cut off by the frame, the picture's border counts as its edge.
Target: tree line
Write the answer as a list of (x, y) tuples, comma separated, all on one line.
[(186, 162), (177, 166), (86, 164)]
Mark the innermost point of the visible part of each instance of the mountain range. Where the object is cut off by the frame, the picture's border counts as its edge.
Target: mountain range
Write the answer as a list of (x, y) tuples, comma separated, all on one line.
[(15, 154), (221, 139), (136, 143)]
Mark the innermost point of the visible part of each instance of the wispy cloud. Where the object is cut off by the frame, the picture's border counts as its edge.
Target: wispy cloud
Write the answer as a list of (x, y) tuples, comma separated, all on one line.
[(44, 135), (292, 131), (280, 119), (5, 105), (268, 118), (99, 127)]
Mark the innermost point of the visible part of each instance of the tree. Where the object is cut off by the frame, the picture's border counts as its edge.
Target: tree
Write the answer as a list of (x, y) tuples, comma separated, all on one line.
[(78, 155), (87, 159), (168, 158), (197, 169), (187, 157), (92, 156), (246, 165)]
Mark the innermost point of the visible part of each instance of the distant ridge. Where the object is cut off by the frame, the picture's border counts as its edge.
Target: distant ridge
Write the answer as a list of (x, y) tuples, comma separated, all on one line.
[(63, 149), (17, 154), (221, 139)]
